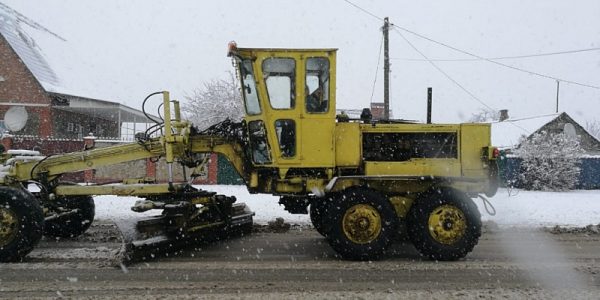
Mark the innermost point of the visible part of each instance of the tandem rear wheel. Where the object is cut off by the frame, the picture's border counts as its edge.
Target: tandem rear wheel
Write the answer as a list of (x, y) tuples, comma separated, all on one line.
[(362, 224), (444, 224), (21, 223), (320, 210)]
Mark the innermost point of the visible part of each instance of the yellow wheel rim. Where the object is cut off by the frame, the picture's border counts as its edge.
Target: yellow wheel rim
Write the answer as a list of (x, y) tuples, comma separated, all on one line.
[(9, 224), (361, 223), (447, 224)]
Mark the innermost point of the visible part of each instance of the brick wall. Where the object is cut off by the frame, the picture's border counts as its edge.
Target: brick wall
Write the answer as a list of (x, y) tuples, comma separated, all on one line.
[(20, 86)]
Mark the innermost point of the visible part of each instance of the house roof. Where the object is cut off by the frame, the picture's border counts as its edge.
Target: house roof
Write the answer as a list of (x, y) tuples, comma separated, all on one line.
[(507, 133), (11, 28), (52, 63), (99, 108)]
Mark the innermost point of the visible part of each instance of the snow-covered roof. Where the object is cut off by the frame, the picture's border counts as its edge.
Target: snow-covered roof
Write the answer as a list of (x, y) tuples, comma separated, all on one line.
[(506, 134), (25, 46), (57, 68)]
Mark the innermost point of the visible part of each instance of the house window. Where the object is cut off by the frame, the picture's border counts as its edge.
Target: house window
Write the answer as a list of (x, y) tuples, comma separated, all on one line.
[(70, 127), (79, 131), (99, 130)]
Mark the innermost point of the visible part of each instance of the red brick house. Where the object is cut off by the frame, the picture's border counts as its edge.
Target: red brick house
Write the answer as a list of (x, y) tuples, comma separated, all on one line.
[(57, 118), (28, 81)]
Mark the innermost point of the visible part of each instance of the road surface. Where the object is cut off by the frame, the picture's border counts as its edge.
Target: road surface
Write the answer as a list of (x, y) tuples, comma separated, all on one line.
[(298, 264)]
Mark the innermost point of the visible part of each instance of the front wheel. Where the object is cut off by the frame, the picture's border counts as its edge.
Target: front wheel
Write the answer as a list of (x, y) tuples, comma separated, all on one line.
[(74, 215), (444, 225), (21, 223), (363, 224)]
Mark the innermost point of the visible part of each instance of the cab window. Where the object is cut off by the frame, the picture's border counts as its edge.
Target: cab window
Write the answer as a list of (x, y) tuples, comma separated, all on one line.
[(286, 136), (279, 78), (249, 88), (258, 143), (317, 85)]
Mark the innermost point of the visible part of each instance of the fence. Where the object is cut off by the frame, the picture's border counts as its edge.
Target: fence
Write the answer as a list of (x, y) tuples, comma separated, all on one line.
[(47, 146)]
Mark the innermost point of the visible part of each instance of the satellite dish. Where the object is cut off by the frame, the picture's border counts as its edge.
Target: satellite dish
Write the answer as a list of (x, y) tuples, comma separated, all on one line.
[(15, 118), (569, 131)]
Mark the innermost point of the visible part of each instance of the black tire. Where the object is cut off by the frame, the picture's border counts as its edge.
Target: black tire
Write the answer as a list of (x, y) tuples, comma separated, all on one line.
[(347, 235), (319, 214), (72, 225), (455, 236), (21, 223)]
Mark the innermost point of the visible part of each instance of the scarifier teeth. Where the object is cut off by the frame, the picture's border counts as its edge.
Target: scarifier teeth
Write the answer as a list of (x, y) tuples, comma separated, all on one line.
[(155, 237)]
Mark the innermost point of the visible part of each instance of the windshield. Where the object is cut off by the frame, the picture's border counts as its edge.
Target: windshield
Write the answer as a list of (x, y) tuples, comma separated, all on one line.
[(279, 78), (249, 88)]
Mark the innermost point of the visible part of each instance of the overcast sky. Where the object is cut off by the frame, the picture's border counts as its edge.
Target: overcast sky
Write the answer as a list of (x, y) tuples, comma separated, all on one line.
[(128, 49)]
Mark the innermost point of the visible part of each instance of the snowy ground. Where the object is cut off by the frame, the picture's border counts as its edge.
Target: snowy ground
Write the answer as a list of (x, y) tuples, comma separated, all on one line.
[(517, 208)]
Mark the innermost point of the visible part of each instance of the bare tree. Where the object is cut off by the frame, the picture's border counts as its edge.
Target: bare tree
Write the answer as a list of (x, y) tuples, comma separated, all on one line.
[(484, 115), (550, 162), (214, 102), (593, 128)]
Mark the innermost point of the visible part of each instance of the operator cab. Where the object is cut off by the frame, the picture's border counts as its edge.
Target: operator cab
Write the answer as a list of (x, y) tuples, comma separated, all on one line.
[(289, 101)]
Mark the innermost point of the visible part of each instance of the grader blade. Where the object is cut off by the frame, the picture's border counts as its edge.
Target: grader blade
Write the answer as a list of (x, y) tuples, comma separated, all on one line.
[(170, 233)]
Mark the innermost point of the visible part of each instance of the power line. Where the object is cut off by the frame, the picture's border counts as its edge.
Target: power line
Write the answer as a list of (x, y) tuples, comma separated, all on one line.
[(506, 57), (377, 69), (424, 56), (471, 54), (364, 10), (450, 78), (442, 71), (431, 62), (495, 62)]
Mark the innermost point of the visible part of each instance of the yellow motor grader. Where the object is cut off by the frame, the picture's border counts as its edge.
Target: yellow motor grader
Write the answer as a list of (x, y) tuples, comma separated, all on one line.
[(365, 182)]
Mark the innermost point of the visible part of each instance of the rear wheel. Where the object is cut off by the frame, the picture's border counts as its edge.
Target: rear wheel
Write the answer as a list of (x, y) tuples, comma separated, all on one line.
[(74, 215), (21, 223), (444, 225), (362, 224)]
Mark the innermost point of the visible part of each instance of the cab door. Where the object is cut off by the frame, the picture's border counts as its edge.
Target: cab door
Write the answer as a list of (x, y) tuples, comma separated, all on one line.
[(318, 109), (296, 92), (278, 71)]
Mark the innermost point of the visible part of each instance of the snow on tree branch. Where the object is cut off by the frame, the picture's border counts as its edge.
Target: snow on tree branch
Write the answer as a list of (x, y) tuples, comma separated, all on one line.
[(484, 115), (214, 102), (550, 162)]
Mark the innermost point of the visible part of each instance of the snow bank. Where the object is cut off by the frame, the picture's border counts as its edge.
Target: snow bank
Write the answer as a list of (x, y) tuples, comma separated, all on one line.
[(533, 209), (519, 208)]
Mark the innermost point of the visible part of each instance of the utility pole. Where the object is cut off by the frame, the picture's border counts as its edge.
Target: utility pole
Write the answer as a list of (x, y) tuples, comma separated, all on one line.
[(557, 90), (386, 69), (429, 104)]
